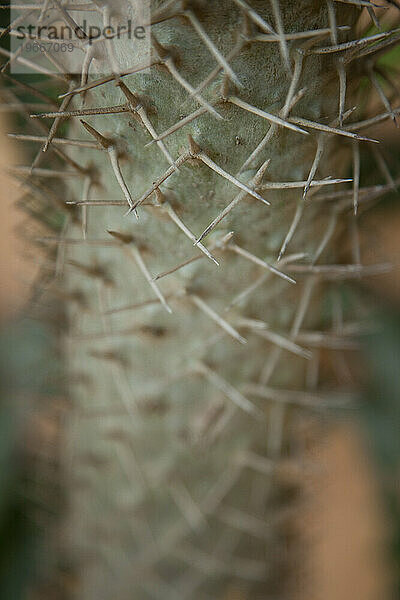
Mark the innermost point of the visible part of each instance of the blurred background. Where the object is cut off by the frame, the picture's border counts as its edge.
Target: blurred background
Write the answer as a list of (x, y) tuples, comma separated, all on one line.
[(31, 409)]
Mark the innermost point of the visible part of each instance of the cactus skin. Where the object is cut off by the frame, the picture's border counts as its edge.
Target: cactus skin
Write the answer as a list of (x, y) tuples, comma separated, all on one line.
[(179, 437)]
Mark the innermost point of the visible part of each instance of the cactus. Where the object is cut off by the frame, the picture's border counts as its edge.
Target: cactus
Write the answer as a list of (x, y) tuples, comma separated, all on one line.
[(205, 204)]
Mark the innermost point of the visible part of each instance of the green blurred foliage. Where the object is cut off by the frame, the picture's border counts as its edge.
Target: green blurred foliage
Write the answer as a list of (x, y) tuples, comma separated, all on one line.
[(27, 360), (380, 413)]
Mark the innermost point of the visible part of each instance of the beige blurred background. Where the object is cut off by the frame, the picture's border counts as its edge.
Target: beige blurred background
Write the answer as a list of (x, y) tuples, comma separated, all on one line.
[(15, 270)]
